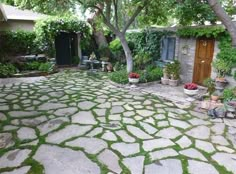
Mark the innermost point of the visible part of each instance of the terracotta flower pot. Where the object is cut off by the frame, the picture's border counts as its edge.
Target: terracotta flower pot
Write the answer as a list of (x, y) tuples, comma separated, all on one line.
[(214, 97), (173, 82)]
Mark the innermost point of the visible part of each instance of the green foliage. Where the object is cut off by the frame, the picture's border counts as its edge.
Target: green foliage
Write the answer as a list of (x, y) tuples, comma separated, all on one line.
[(141, 60), (210, 84), (119, 76), (115, 46), (227, 52), (17, 43), (47, 29), (148, 41), (229, 94), (75, 60), (222, 67), (46, 67), (32, 65), (173, 69), (7, 70), (212, 31), (153, 73), (118, 66), (235, 75)]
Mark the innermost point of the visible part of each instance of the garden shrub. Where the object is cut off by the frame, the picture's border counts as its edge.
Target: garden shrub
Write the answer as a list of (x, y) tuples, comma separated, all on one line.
[(141, 60), (46, 67), (18, 43), (31, 65), (229, 93), (119, 76), (7, 70), (154, 74)]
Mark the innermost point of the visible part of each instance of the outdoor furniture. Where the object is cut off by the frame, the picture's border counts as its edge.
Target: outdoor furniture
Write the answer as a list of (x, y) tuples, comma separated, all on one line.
[(92, 62)]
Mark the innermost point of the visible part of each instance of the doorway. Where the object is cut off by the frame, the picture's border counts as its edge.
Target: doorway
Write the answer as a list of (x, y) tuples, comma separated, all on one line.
[(203, 59)]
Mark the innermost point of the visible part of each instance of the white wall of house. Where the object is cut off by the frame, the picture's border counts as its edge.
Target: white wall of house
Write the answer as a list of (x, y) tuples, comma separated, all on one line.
[(15, 25)]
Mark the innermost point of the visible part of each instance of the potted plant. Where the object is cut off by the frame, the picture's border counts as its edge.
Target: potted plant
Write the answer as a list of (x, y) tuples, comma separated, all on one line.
[(165, 78), (215, 96), (229, 96), (222, 67), (190, 89), (211, 87), (134, 78), (174, 71)]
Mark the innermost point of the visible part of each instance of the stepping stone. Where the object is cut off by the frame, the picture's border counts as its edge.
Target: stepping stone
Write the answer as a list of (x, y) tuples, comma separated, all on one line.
[(218, 128), (32, 122), (10, 127), (25, 133), (126, 149), (137, 132), (125, 137), (184, 142), (145, 113), (129, 113), (199, 115), (170, 133), (21, 170), (219, 140), (200, 132), (225, 149), (179, 124), (117, 110), (196, 167), (226, 160), (18, 114), (110, 136), (63, 160), (2, 117), (67, 133), (165, 167), (114, 117), (14, 158), (128, 107), (90, 145), (193, 153), (100, 112), (51, 125), (95, 132), (157, 155), (176, 110), (51, 106), (129, 121), (86, 105), (111, 160), (106, 105), (150, 120), (150, 145), (134, 164), (161, 124), (205, 146), (148, 128), (65, 111), (84, 117), (6, 140), (198, 122)]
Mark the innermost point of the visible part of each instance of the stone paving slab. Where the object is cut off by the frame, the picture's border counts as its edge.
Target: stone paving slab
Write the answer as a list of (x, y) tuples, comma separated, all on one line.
[(78, 123)]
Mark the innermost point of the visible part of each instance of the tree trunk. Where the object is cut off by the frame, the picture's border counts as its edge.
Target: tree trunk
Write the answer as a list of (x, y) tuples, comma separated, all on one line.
[(128, 54), (225, 19)]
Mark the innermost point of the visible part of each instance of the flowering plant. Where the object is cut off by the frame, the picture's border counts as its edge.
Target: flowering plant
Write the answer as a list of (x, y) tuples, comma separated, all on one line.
[(190, 86), (134, 75)]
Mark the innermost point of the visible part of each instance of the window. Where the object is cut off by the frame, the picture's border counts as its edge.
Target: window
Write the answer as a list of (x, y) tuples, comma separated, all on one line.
[(168, 49)]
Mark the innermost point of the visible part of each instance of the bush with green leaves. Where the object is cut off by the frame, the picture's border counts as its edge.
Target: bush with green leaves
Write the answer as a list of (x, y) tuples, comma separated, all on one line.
[(229, 94), (7, 70), (120, 76), (222, 67), (141, 60), (17, 43), (47, 29), (46, 67), (31, 65)]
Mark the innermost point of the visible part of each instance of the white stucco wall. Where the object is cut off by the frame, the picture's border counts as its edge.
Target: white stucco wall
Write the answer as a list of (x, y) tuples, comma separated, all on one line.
[(15, 25)]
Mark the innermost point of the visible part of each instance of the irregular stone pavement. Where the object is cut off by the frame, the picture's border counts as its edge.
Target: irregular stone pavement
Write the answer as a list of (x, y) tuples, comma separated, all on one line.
[(78, 123)]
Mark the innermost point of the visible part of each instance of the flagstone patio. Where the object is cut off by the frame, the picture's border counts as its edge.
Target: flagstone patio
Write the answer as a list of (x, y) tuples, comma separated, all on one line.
[(75, 123)]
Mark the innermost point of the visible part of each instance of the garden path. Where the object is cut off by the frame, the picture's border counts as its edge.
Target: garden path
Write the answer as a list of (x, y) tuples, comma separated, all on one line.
[(74, 122)]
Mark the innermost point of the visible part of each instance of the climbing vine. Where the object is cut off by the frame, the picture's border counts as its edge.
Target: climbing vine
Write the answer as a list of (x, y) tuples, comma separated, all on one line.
[(47, 29), (211, 31)]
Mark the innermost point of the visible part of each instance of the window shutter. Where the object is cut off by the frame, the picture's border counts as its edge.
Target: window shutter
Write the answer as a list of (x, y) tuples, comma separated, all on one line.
[(171, 48)]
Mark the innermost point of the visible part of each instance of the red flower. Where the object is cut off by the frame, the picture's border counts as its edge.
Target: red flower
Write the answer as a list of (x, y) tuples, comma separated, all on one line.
[(190, 86), (134, 75)]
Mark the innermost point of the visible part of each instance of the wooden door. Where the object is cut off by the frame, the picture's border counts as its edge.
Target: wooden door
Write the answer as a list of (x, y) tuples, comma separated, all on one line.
[(203, 59)]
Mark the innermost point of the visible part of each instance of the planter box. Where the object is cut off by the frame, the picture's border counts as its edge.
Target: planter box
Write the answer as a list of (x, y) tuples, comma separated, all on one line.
[(164, 81), (133, 80), (173, 82), (191, 92)]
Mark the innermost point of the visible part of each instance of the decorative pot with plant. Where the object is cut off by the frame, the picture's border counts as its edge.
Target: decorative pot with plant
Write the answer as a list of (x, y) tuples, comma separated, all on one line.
[(190, 89), (229, 96), (211, 86), (215, 96), (134, 78), (165, 78), (174, 70), (222, 67)]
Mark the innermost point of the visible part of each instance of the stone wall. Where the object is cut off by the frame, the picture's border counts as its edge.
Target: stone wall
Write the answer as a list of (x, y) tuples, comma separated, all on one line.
[(185, 53)]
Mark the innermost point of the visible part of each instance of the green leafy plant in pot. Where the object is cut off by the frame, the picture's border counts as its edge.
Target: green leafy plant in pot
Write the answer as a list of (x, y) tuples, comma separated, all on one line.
[(229, 96), (222, 67), (173, 70), (211, 88)]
